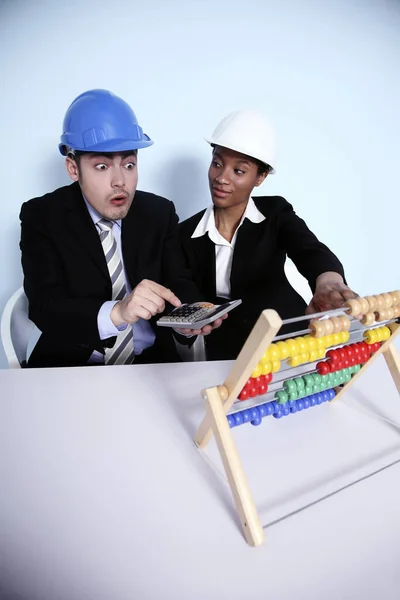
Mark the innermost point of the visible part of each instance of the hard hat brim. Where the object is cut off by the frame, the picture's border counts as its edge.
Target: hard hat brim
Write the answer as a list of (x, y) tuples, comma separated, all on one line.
[(240, 150), (110, 146)]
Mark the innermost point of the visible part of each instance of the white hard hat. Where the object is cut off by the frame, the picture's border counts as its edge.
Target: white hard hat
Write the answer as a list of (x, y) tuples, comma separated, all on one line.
[(247, 132)]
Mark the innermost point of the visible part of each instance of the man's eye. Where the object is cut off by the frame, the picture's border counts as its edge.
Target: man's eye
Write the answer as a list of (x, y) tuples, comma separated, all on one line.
[(101, 167), (130, 166)]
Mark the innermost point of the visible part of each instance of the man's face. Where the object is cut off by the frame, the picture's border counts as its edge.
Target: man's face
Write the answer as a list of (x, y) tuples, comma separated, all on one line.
[(108, 181)]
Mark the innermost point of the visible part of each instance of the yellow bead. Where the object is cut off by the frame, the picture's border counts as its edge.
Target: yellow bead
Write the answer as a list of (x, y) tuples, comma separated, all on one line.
[(386, 333), (304, 357), (294, 361), (276, 365), (266, 368), (266, 357), (292, 346), (257, 371), (370, 337), (328, 340), (301, 345), (320, 343), (283, 350), (273, 352), (313, 355), (344, 337), (336, 339), (311, 342), (321, 353)]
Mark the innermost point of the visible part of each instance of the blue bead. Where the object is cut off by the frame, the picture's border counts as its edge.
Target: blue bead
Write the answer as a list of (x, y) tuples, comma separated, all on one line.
[(319, 398), (238, 419), (256, 422), (269, 408), (300, 404), (292, 406), (277, 407), (306, 402), (313, 400), (278, 414), (231, 421), (254, 414), (286, 411), (262, 411), (325, 396), (246, 416), (332, 394)]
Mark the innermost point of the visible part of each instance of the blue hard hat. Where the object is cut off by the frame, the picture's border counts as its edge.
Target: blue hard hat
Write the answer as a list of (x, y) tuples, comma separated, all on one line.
[(100, 121)]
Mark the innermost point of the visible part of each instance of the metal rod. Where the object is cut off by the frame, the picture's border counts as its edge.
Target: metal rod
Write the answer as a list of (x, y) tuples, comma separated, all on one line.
[(334, 311)]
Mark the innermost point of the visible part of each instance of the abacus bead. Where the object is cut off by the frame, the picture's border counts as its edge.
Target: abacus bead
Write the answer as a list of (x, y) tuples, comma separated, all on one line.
[(333, 356), (300, 385), (265, 357), (257, 371), (381, 314), (368, 319), (332, 394), (283, 350), (266, 368), (246, 416), (329, 327), (294, 361), (306, 402), (268, 378), (380, 303), (244, 394), (254, 413), (319, 398), (386, 333), (371, 336), (372, 303), (293, 406), (328, 340), (354, 306), (313, 400), (293, 395), (223, 392), (390, 313), (396, 311), (395, 296), (345, 322), (278, 414), (304, 357), (273, 352), (344, 337), (317, 378), (364, 305), (269, 408), (289, 385), (262, 410), (311, 342), (276, 365), (256, 422), (292, 346), (323, 368), (231, 421), (300, 405), (325, 396), (317, 328), (388, 300), (336, 339), (308, 390), (238, 419), (281, 397), (253, 392), (342, 352), (286, 410), (337, 324), (321, 353), (308, 379), (313, 355)]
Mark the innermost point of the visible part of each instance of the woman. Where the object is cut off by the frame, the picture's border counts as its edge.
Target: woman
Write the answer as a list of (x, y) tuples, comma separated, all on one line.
[(237, 247)]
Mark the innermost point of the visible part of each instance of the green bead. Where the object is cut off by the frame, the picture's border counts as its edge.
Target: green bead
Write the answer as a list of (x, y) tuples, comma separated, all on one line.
[(347, 377), (308, 380), (293, 396), (300, 385), (309, 389), (317, 378), (289, 385), (316, 388), (281, 397)]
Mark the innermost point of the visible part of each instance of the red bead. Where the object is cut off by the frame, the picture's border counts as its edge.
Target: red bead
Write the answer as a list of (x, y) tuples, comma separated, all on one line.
[(346, 363), (244, 394), (323, 368), (376, 347), (249, 383), (342, 352), (349, 351), (352, 361), (257, 381), (339, 365), (253, 392), (262, 389), (268, 378), (333, 356)]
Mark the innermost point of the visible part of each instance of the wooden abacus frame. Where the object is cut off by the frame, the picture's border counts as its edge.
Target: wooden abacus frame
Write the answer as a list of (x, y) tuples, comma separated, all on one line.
[(220, 399)]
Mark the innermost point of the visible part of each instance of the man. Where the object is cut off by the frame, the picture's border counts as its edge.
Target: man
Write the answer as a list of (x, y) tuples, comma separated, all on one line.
[(101, 260)]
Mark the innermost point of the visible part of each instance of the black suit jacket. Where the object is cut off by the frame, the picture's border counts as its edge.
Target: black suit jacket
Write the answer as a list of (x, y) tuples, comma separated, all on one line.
[(66, 278), (258, 275)]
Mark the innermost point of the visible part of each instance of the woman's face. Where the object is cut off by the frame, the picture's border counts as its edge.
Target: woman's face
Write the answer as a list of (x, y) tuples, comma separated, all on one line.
[(232, 177)]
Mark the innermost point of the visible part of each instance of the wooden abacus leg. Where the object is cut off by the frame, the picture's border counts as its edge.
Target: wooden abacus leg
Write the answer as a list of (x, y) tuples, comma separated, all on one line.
[(245, 506), (392, 360)]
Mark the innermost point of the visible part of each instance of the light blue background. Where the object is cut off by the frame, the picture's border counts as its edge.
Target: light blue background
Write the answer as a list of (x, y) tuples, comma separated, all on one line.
[(325, 72)]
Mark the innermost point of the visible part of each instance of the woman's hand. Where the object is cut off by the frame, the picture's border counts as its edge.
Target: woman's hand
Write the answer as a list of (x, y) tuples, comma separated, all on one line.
[(330, 292)]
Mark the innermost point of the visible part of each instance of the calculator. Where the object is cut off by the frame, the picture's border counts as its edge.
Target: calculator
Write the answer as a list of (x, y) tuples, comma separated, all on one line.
[(196, 315)]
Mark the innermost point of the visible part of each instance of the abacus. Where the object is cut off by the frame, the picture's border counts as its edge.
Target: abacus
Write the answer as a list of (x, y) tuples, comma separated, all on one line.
[(281, 375)]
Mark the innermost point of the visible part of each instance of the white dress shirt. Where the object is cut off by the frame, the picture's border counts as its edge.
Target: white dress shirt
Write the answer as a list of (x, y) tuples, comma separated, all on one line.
[(223, 248)]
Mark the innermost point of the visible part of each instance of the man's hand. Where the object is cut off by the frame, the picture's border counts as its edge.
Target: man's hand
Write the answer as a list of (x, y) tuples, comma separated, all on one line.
[(206, 329), (146, 300), (330, 292)]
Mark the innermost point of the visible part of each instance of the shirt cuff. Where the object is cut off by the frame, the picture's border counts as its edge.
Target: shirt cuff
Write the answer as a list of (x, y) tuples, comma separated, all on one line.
[(105, 326)]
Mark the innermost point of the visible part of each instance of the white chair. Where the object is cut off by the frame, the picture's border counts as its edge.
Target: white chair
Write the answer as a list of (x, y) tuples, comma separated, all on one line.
[(16, 329)]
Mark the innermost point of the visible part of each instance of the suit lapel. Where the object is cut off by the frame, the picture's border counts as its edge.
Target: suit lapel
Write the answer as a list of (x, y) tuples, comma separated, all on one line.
[(84, 230), (243, 257)]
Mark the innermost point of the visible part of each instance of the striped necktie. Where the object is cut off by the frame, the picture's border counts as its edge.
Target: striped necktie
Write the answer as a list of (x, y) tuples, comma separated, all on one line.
[(122, 353)]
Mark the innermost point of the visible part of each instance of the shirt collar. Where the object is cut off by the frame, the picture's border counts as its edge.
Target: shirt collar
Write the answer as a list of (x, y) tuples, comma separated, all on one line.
[(207, 222), (95, 216)]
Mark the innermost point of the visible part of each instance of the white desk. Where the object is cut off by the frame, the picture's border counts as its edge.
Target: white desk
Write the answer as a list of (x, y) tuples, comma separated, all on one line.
[(104, 495)]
